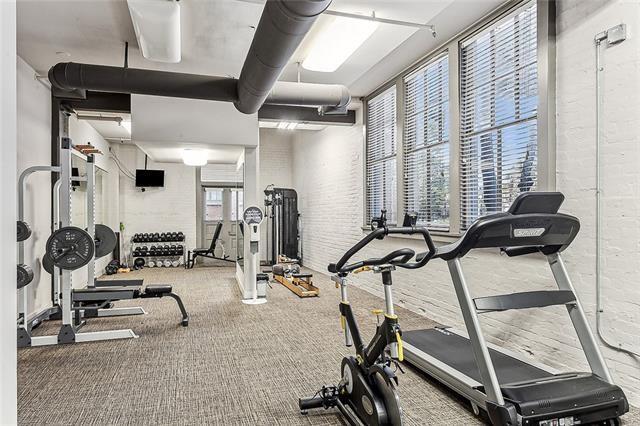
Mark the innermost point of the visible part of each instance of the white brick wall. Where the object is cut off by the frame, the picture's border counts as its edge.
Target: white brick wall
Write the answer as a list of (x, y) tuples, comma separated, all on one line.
[(172, 208), (328, 174), (276, 167)]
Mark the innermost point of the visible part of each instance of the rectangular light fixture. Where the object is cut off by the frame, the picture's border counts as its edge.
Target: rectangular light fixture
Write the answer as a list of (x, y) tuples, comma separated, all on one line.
[(157, 27), (337, 42), (194, 157), (287, 125)]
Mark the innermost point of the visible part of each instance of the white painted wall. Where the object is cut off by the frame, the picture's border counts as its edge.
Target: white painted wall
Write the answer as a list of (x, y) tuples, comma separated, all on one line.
[(328, 174), (8, 395), (34, 133), (34, 141), (172, 208)]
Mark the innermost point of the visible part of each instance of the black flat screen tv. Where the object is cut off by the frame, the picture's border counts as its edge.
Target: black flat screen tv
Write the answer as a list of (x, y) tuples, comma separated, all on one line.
[(149, 178)]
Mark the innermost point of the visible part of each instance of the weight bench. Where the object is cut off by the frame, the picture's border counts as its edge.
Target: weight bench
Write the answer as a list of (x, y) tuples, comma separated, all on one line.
[(88, 302), (208, 252)]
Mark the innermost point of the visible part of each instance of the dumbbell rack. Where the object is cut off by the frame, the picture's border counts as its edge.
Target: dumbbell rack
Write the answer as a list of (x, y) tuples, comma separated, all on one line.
[(143, 249)]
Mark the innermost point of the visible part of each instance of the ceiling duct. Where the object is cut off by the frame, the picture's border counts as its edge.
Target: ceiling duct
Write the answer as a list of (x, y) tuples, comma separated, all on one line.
[(283, 25), (331, 98), (70, 76)]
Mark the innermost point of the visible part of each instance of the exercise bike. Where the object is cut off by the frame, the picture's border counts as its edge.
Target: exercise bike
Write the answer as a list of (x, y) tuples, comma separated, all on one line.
[(367, 394)]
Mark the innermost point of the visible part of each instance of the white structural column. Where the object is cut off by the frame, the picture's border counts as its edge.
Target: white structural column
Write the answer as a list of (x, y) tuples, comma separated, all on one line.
[(8, 213), (251, 198)]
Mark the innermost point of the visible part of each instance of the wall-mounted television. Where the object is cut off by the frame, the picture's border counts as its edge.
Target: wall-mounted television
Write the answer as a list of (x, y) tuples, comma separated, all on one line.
[(149, 178)]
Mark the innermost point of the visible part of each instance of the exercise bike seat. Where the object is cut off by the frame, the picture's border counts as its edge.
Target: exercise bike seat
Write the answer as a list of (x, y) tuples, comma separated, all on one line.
[(158, 289)]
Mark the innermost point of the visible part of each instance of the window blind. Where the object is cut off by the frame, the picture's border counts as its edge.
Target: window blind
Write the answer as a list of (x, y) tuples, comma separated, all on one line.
[(426, 144), (498, 115), (381, 180)]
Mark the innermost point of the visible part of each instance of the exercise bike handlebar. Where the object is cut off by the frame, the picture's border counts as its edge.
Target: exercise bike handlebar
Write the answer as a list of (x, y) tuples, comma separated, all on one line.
[(398, 257)]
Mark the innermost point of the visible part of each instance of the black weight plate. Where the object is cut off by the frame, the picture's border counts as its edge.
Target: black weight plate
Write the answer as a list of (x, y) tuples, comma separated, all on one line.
[(25, 275), (24, 231), (47, 263), (106, 240), (70, 248)]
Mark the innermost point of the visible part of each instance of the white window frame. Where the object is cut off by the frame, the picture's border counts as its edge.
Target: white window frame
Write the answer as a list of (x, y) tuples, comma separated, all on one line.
[(546, 108)]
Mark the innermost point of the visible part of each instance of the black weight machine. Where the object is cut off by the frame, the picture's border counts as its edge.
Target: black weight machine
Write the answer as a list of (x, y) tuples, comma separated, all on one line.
[(283, 224)]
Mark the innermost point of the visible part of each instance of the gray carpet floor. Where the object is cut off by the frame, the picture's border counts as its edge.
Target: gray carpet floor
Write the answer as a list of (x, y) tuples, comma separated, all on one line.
[(234, 365)]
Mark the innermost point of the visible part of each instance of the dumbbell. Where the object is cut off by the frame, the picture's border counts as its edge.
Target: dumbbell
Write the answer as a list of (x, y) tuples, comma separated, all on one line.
[(174, 236), (151, 264), (180, 236), (175, 263)]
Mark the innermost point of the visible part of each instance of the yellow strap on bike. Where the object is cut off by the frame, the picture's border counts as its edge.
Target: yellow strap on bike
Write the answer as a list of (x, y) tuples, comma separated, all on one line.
[(363, 269), (400, 350), (343, 322), (377, 311)]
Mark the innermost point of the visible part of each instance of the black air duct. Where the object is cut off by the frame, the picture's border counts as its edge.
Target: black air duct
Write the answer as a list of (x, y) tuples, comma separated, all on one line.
[(101, 78), (282, 27)]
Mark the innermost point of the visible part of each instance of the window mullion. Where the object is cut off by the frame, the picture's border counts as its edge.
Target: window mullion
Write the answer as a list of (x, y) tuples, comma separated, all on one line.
[(400, 116), (454, 138)]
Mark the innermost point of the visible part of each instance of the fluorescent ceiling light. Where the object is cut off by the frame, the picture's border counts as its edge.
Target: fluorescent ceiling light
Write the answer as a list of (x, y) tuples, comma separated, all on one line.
[(194, 157), (157, 27), (337, 42)]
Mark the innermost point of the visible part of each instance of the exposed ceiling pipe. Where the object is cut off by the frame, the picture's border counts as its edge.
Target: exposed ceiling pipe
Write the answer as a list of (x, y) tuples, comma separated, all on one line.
[(329, 97), (283, 25), (70, 76)]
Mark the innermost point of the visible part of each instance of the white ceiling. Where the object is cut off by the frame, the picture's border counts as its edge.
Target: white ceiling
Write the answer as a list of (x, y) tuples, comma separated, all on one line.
[(216, 35)]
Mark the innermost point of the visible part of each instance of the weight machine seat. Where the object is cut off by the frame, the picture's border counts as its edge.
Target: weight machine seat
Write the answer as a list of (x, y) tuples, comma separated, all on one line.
[(531, 224), (158, 289), (302, 275), (103, 294)]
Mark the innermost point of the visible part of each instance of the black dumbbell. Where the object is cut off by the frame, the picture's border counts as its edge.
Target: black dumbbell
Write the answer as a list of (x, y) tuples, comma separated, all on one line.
[(180, 236)]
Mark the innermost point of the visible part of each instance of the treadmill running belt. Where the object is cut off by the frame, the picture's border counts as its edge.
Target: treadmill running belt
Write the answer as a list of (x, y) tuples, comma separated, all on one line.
[(456, 352)]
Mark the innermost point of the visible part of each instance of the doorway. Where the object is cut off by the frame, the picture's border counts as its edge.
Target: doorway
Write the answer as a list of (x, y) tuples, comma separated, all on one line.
[(222, 205)]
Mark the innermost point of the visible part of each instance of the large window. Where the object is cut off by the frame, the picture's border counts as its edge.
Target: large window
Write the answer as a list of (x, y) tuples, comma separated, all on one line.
[(381, 179), (426, 144), (468, 142), (498, 115)]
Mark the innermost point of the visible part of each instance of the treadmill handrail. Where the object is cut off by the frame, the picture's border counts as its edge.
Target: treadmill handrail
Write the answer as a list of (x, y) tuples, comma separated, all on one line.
[(547, 232)]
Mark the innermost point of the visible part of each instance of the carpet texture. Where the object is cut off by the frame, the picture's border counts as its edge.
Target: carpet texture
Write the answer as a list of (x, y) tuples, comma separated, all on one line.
[(234, 365)]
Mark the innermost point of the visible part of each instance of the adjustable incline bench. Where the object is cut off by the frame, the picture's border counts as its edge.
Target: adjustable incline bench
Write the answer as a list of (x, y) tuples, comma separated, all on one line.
[(209, 252)]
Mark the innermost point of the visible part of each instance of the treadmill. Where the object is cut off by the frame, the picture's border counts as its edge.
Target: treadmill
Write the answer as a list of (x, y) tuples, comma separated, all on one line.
[(511, 390)]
